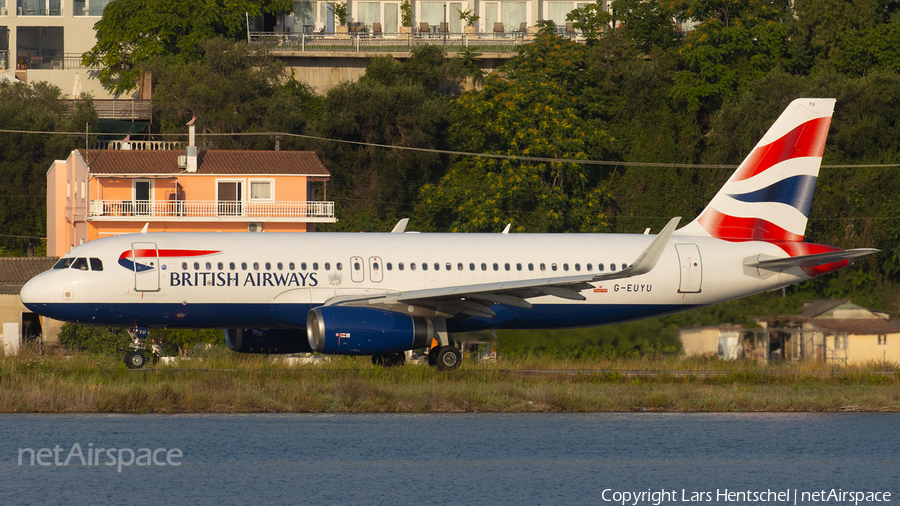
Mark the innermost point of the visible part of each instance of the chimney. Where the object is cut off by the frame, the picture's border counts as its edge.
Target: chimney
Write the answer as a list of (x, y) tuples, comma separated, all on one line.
[(192, 147)]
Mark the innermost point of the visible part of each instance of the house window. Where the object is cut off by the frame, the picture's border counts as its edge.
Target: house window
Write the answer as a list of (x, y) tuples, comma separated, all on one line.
[(143, 190), (90, 7), (261, 190), (228, 197), (882, 340), (39, 47)]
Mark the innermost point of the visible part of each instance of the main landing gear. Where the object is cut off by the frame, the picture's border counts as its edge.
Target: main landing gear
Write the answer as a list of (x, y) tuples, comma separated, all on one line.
[(445, 358), (135, 359)]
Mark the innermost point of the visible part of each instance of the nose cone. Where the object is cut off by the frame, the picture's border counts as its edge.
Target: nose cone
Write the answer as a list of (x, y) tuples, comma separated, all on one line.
[(35, 293)]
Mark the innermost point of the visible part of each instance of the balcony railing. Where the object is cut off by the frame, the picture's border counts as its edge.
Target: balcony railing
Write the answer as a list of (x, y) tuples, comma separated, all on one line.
[(364, 41), (210, 210)]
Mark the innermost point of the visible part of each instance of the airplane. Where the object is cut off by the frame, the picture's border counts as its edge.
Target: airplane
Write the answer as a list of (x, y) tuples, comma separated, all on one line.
[(382, 294)]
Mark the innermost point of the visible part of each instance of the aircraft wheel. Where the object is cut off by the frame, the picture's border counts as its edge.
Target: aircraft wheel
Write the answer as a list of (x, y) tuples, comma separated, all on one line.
[(135, 360), (432, 355), (448, 358)]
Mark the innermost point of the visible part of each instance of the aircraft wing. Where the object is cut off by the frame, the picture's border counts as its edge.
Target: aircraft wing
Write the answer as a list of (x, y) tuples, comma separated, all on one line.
[(476, 299), (782, 264)]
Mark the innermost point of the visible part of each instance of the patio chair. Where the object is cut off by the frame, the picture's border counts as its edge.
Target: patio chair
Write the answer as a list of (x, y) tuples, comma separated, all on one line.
[(498, 29), (523, 27), (444, 28), (376, 29), (423, 29), (570, 30)]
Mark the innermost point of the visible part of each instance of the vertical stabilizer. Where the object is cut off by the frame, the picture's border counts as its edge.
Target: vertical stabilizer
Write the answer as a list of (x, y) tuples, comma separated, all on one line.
[(769, 195)]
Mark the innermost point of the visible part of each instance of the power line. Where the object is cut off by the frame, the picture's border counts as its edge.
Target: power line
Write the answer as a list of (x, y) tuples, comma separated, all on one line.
[(661, 165)]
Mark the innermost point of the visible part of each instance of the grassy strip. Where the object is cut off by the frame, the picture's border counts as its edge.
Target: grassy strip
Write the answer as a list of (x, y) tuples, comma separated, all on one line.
[(227, 382)]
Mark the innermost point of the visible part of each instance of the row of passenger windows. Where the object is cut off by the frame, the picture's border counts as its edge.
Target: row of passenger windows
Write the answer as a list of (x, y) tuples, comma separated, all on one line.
[(506, 266), (402, 266), (80, 263)]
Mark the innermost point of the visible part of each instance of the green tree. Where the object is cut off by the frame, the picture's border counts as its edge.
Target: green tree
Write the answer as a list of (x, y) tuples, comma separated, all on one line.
[(231, 89), (648, 24), (537, 109), (396, 104), (132, 32), (25, 158), (735, 43)]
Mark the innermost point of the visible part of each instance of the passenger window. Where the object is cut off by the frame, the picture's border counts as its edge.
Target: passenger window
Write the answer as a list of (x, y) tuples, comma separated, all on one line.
[(577, 267), (400, 266), (208, 266), (553, 267), (424, 266), (437, 266), (530, 267), (231, 266), (506, 267), (303, 266), (496, 267), (600, 267), (624, 266), (565, 267), (612, 267), (339, 266), (543, 267), (80, 264), (244, 266), (374, 266), (315, 266), (255, 266), (389, 266), (449, 267), (64, 263), (327, 266), (518, 267), (279, 265), (459, 266), (291, 266), (471, 266), (96, 264), (196, 266), (221, 266), (355, 266), (412, 266), (590, 267), (483, 266), (268, 266), (184, 266)]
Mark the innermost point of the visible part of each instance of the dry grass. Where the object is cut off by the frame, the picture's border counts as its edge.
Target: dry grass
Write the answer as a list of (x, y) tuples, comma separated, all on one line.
[(226, 382)]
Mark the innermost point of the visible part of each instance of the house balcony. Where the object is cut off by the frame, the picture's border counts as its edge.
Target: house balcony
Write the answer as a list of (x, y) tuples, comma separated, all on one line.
[(211, 211)]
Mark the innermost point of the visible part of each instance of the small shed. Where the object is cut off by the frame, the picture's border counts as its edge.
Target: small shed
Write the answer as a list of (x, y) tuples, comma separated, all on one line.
[(17, 323)]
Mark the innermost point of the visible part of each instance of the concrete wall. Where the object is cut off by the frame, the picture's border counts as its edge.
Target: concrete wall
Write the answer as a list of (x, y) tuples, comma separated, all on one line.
[(11, 311)]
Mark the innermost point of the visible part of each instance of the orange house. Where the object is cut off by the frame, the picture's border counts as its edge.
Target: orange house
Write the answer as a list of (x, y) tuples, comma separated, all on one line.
[(103, 192)]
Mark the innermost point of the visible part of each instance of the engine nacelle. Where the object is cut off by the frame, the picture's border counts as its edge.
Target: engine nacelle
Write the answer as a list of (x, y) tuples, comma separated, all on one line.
[(348, 330), (269, 341)]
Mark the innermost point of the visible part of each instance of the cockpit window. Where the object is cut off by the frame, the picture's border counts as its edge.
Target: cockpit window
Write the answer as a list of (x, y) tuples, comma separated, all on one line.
[(64, 263), (96, 264), (80, 263)]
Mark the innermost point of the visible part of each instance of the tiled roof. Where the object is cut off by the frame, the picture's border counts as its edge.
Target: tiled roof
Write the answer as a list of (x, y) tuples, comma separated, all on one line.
[(107, 161), (14, 272), (813, 308)]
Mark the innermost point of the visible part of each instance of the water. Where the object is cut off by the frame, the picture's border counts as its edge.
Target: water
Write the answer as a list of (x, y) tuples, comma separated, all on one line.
[(520, 459)]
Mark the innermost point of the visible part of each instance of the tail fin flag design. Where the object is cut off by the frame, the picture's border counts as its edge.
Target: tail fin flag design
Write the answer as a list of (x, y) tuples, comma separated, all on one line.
[(769, 195)]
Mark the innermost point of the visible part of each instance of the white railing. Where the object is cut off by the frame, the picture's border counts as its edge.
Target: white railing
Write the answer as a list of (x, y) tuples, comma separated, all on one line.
[(176, 209)]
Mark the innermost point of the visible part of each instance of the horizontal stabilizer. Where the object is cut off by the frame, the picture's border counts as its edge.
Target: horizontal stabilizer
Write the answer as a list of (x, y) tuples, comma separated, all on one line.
[(781, 264)]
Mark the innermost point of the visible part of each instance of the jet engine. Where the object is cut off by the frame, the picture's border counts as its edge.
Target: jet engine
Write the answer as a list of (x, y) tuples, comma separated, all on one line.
[(267, 341), (348, 330)]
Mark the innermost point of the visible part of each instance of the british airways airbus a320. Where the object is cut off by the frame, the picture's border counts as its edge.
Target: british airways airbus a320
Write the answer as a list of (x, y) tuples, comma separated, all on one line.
[(383, 294)]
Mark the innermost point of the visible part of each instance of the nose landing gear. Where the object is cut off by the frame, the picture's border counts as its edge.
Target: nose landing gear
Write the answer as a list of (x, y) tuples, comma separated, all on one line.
[(135, 359)]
